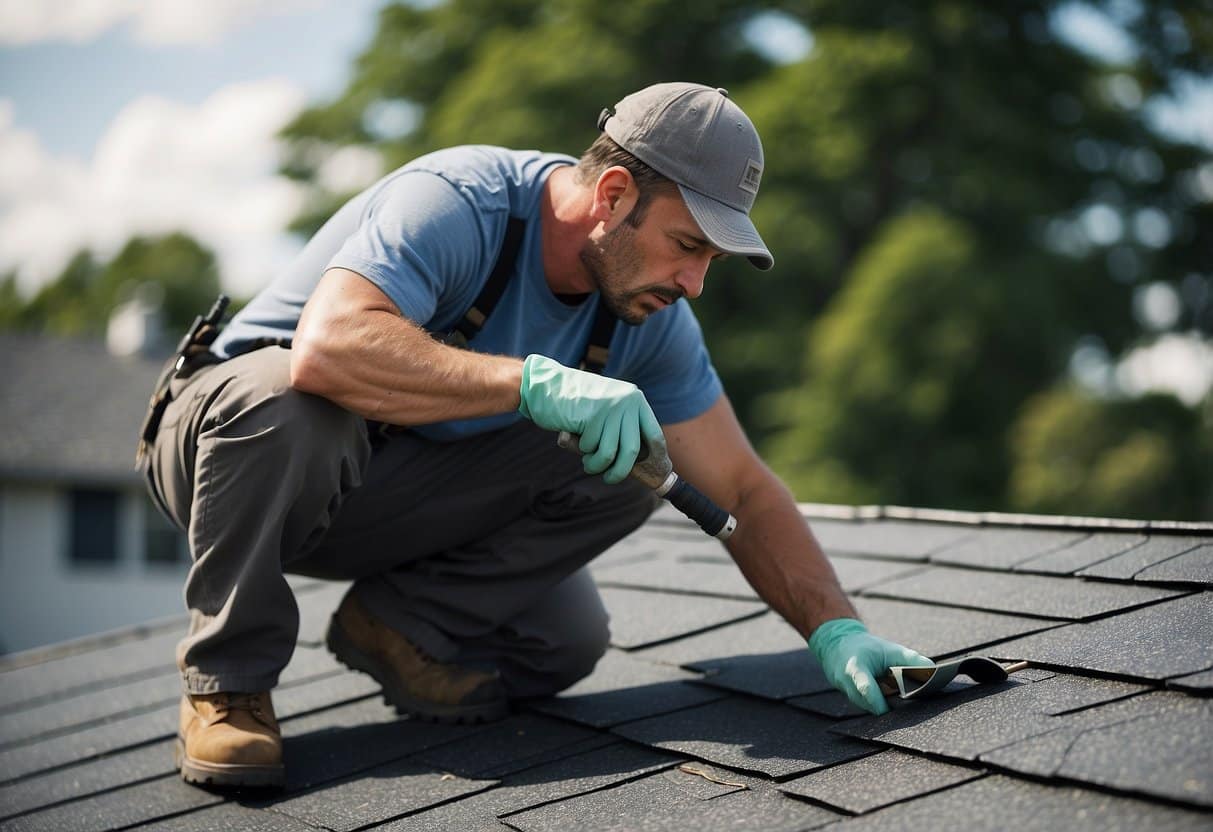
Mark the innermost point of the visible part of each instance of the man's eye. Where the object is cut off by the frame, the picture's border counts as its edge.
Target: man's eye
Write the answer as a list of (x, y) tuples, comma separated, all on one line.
[(685, 246)]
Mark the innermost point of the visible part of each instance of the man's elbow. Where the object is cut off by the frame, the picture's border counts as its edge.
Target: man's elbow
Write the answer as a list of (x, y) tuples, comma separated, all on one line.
[(310, 367)]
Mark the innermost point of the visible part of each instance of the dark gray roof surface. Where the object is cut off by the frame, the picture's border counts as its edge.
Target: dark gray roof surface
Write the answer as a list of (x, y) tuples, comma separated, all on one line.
[(709, 713), (70, 410)]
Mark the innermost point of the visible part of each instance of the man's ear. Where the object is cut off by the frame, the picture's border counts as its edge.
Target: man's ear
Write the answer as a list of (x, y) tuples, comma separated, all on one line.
[(614, 196)]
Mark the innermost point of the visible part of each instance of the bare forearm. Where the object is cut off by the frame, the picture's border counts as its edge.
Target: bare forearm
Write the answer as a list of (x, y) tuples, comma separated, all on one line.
[(386, 368), (782, 560)]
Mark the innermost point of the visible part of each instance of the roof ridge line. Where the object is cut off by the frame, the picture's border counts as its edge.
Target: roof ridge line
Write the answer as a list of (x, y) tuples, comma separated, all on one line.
[(831, 511)]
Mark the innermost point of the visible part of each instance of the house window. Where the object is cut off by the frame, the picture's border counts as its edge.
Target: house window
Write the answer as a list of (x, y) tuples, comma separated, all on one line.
[(163, 543), (94, 526)]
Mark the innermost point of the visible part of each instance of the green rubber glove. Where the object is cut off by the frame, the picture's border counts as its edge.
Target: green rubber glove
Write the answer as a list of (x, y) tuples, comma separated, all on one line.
[(612, 417), (853, 660)]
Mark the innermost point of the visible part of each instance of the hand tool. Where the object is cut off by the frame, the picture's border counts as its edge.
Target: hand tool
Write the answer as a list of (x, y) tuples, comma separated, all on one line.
[(654, 468)]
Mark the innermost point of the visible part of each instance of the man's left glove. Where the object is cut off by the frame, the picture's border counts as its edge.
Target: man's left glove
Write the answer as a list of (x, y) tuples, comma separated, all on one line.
[(853, 660)]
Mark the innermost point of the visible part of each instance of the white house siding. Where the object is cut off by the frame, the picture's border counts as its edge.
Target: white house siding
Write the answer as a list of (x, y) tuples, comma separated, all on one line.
[(45, 598)]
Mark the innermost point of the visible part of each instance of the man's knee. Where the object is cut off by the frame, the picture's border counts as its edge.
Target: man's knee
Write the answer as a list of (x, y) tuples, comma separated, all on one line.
[(576, 658)]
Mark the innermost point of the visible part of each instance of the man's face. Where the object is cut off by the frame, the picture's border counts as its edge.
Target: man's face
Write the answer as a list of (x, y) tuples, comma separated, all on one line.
[(642, 270)]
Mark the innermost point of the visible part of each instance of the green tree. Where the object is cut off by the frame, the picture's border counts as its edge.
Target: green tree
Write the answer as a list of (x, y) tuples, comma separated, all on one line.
[(80, 299), (1076, 454), (954, 196)]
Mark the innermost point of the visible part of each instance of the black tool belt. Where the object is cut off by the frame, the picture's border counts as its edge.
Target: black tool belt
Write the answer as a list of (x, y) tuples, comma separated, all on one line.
[(193, 352)]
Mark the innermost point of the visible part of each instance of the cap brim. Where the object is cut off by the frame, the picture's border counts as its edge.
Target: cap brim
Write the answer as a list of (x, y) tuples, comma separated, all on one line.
[(727, 229)]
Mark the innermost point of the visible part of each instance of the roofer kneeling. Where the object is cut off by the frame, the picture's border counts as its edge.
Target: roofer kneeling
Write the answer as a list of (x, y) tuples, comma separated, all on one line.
[(336, 429)]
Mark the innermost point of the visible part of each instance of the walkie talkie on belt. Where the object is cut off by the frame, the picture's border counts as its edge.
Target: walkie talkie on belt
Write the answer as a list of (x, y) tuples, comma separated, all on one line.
[(193, 352)]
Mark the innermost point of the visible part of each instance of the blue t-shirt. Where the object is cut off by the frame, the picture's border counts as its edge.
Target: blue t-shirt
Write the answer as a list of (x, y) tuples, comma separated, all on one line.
[(428, 235)]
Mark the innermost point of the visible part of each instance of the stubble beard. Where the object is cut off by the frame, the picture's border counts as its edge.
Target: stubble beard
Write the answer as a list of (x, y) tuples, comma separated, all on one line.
[(613, 262)]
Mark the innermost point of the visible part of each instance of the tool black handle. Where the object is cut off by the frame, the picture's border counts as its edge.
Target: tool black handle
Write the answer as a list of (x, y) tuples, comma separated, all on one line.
[(699, 507)]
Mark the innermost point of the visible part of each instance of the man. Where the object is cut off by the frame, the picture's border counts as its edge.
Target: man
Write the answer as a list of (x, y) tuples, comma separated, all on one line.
[(429, 474)]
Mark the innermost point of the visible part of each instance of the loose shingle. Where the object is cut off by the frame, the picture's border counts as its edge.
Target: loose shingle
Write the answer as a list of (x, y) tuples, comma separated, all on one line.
[(1044, 596), (964, 725), (1173, 638), (996, 804), (876, 781), (1158, 744), (1158, 548), (1004, 548), (623, 688), (662, 801), (748, 735), (1098, 547), (639, 618)]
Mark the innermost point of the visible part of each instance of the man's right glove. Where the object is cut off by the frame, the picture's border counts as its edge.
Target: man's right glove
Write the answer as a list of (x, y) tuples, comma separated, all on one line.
[(853, 660), (612, 417)]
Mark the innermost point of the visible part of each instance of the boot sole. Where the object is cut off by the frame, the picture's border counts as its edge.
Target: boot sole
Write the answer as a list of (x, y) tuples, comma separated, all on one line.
[(340, 645), (227, 774)]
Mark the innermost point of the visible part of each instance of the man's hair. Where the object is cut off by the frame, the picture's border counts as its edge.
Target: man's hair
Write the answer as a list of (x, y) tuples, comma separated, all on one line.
[(606, 153)]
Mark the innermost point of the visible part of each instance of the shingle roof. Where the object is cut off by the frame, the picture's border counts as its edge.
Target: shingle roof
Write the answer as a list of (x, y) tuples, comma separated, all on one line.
[(70, 410), (709, 713)]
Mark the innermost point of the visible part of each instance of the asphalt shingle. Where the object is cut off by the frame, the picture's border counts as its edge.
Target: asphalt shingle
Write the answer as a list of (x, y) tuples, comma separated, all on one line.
[(1157, 744), (1174, 638), (747, 736), (995, 804), (1005, 548), (675, 800), (1038, 595), (624, 688), (1157, 549), (639, 618), (872, 782)]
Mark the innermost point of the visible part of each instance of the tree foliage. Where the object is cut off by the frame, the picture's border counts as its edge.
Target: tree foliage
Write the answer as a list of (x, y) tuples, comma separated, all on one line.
[(80, 299), (953, 194)]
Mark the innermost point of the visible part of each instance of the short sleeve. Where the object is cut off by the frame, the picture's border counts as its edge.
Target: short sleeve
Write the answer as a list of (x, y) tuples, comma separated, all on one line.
[(421, 242)]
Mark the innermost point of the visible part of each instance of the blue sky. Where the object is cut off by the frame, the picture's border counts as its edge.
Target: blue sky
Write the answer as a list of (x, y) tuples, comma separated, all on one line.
[(68, 92)]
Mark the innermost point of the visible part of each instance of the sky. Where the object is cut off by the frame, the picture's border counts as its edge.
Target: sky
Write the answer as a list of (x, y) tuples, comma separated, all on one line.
[(123, 117)]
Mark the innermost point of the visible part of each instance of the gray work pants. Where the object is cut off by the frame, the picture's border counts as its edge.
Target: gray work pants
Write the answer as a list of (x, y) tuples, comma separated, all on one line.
[(473, 549)]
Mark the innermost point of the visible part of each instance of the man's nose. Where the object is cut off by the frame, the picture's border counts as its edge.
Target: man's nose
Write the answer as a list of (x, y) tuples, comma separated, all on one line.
[(691, 276)]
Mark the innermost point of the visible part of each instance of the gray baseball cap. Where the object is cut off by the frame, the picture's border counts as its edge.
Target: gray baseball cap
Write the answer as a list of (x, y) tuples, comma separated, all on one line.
[(699, 138)]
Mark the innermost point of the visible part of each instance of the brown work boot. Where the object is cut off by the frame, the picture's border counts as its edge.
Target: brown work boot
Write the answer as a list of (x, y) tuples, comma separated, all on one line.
[(413, 682), (229, 739)]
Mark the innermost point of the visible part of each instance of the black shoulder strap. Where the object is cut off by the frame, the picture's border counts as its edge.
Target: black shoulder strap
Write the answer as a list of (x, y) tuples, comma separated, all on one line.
[(494, 287), (596, 352)]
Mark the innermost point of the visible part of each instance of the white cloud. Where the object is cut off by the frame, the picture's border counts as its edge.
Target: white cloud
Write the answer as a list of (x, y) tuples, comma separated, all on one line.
[(152, 22), (161, 166), (1179, 364)]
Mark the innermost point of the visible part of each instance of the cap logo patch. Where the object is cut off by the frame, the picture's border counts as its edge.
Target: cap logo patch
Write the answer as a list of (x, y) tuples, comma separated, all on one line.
[(751, 177)]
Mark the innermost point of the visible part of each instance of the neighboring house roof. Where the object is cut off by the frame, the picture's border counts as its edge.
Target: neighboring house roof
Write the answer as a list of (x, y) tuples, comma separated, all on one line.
[(708, 712), (71, 411)]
